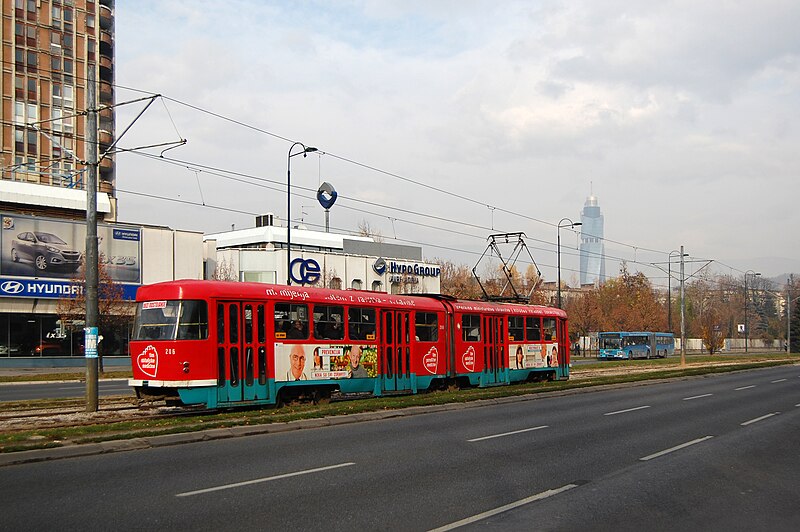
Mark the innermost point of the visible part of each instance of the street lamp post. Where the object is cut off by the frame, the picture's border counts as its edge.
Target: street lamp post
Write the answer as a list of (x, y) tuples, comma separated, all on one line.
[(746, 298), (571, 225), (305, 152)]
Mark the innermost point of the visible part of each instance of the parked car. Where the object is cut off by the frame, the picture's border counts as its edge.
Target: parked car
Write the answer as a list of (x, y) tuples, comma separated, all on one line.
[(48, 349), (46, 250)]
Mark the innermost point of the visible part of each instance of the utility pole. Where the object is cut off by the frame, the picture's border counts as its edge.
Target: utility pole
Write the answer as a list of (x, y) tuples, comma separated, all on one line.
[(90, 259), (790, 282), (683, 316)]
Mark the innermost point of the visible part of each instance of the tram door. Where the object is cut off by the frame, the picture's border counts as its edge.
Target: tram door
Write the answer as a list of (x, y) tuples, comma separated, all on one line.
[(494, 350), (241, 352), (563, 343), (395, 350)]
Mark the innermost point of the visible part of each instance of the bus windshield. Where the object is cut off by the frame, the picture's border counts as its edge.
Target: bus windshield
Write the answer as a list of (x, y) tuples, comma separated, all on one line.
[(171, 320), (608, 342)]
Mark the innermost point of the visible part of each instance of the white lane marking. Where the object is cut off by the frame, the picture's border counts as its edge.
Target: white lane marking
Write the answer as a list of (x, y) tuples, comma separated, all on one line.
[(698, 396), (777, 381), (756, 420), (266, 479), (625, 411), (676, 448), (507, 507), (506, 434), (745, 387)]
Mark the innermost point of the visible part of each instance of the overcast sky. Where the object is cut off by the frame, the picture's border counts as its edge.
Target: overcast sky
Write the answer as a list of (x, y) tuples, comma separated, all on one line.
[(442, 122)]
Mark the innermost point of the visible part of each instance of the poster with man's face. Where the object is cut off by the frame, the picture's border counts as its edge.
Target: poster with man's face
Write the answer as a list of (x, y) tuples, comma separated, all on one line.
[(300, 362), (37, 247)]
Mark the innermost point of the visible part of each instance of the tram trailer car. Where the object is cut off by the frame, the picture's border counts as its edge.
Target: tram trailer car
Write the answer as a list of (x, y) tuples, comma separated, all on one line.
[(223, 344)]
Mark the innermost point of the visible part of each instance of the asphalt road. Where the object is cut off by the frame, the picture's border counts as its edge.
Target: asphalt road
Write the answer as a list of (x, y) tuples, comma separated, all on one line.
[(712, 453), (57, 390)]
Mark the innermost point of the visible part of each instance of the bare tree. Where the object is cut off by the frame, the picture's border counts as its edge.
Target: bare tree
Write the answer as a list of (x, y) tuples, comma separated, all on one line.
[(224, 271), (364, 229), (115, 312)]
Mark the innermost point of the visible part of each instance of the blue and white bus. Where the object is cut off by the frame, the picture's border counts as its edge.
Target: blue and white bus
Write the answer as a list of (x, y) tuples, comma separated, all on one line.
[(628, 345)]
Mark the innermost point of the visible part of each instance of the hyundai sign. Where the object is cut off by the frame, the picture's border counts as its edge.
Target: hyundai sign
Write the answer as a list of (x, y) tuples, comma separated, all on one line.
[(51, 289)]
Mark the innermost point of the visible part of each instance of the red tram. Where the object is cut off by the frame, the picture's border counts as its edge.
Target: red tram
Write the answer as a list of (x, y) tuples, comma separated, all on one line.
[(223, 343)]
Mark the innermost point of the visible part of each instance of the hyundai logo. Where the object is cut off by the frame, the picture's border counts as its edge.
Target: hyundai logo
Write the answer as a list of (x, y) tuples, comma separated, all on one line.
[(12, 287), (379, 266)]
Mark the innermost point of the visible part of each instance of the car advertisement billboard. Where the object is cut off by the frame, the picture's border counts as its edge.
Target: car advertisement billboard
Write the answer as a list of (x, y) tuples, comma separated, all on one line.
[(46, 248)]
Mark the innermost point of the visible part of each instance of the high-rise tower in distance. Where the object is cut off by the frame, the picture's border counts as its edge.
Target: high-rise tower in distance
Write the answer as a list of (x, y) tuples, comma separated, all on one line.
[(592, 249), (48, 48)]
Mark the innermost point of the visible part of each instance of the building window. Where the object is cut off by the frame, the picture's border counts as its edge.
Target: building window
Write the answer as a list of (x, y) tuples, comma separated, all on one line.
[(56, 15), (19, 112), (336, 283), (90, 21), (32, 142), (32, 89), (67, 66), (377, 286), (19, 140), (356, 284), (33, 113)]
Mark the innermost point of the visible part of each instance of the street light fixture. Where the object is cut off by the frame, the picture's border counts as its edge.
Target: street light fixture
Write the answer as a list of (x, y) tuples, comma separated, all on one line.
[(305, 152), (746, 328), (571, 225)]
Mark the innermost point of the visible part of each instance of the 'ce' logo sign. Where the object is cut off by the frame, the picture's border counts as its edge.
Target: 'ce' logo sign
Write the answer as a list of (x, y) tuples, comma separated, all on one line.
[(309, 271)]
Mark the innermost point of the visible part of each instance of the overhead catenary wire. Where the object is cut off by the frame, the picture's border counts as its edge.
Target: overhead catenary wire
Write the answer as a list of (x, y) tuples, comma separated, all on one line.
[(394, 175)]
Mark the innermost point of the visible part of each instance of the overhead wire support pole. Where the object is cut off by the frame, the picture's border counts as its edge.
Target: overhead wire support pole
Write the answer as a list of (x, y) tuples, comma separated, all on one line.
[(90, 262)]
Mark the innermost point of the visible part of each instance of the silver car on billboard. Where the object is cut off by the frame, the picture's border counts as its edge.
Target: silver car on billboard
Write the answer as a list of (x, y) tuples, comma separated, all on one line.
[(46, 250)]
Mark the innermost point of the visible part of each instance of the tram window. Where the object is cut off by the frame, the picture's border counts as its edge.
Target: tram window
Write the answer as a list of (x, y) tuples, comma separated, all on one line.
[(533, 329), (516, 328), (193, 322), (233, 324), (361, 323), (220, 323), (291, 321), (220, 366), (248, 366), (262, 365), (426, 326), (248, 324), (261, 324), (234, 360), (471, 327), (170, 320), (328, 322), (549, 329)]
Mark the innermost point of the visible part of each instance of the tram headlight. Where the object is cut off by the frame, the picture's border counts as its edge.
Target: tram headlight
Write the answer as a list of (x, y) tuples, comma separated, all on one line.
[(186, 366)]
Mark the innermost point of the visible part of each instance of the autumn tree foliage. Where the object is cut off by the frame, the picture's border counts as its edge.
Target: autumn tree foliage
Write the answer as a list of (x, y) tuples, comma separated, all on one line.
[(628, 303), (458, 280)]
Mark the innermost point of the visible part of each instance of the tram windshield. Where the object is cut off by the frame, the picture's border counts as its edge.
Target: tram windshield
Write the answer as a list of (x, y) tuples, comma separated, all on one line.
[(171, 320)]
